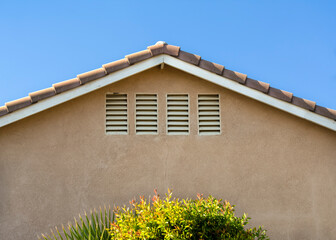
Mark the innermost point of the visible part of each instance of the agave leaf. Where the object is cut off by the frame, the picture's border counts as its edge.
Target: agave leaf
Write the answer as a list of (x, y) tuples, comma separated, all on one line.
[(105, 215), (67, 236), (103, 234), (97, 220), (93, 226), (59, 233), (93, 219), (101, 217), (85, 229), (74, 235), (52, 232), (71, 232), (78, 227), (45, 237), (109, 212)]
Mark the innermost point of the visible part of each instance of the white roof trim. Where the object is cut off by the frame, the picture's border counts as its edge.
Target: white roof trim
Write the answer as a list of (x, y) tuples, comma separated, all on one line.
[(176, 63), (249, 92), (80, 90)]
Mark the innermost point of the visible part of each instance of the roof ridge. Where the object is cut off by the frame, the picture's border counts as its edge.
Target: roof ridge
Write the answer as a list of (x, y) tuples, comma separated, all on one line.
[(162, 47)]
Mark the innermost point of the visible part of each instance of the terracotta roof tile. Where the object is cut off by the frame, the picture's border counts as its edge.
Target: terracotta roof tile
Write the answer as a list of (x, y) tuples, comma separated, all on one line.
[(212, 67), (165, 48), (91, 75), (156, 49), (304, 103), (171, 50), (42, 94), (257, 85), (66, 85), (189, 57), (236, 76), (327, 112), (3, 110), (280, 94), (18, 104), (138, 56), (116, 65)]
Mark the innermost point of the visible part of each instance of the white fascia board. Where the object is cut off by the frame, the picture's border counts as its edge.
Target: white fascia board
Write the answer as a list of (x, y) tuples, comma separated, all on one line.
[(176, 63), (251, 93), (80, 90)]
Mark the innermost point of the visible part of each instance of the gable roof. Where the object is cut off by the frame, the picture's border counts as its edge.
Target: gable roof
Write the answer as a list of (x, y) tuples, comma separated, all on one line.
[(162, 53)]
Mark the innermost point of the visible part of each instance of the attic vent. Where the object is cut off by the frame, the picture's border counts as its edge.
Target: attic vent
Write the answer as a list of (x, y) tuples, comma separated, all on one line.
[(116, 114), (177, 114), (146, 118), (208, 114)]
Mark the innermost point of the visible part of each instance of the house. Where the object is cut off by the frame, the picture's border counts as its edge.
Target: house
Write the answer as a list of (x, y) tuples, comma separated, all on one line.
[(164, 118)]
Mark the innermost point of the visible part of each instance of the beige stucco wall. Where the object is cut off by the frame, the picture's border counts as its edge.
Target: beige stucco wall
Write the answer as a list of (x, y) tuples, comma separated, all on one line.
[(276, 167)]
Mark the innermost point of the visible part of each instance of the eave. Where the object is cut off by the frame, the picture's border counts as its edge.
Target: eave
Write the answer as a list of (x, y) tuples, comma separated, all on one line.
[(166, 54)]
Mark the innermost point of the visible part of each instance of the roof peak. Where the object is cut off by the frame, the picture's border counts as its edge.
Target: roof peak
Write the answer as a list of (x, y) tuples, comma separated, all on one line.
[(161, 42), (299, 106)]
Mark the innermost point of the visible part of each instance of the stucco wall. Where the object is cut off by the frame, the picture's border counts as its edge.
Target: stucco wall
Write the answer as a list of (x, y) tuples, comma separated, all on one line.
[(276, 167)]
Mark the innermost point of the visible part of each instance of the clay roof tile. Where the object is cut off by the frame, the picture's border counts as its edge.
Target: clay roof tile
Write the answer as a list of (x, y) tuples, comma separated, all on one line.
[(42, 94), (171, 50), (3, 110), (66, 85), (189, 58), (138, 56), (280, 94), (116, 65), (91, 75), (304, 103), (162, 47), (156, 49), (327, 112), (18, 104), (236, 76), (212, 67), (257, 85)]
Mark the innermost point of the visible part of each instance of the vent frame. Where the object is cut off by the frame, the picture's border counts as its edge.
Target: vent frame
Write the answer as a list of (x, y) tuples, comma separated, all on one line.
[(122, 116), (185, 131), (146, 132), (216, 118)]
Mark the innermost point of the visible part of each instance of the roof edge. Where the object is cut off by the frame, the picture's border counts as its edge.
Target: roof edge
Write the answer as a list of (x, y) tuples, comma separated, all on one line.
[(251, 93), (76, 92), (172, 55)]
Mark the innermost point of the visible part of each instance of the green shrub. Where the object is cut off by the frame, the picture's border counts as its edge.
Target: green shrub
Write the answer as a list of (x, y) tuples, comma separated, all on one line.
[(187, 219)]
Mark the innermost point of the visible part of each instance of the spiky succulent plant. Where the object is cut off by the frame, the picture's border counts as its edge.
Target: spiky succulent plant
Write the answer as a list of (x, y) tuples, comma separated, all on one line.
[(93, 226)]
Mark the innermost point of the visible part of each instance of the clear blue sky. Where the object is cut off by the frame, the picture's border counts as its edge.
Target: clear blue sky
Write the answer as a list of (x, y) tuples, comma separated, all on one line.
[(289, 44)]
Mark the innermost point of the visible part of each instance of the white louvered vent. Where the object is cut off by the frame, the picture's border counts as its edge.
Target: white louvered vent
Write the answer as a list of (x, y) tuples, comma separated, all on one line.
[(177, 114), (208, 114), (146, 116), (116, 114)]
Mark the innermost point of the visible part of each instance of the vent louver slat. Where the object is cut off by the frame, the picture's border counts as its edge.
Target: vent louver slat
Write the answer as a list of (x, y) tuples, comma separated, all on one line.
[(208, 114), (146, 116), (116, 114), (177, 114)]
